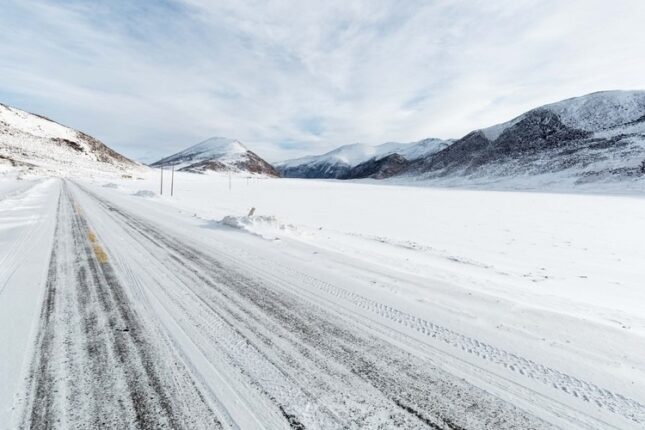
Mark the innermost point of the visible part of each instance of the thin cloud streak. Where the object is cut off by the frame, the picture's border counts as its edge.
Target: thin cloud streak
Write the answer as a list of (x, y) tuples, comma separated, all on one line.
[(293, 77)]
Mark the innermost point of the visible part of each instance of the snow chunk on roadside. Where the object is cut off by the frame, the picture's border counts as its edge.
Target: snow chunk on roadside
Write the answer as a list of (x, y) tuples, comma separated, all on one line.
[(144, 193), (110, 185), (267, 227)]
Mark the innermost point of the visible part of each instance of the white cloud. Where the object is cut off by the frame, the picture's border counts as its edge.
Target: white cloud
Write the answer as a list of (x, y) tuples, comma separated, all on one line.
[(291, 77)]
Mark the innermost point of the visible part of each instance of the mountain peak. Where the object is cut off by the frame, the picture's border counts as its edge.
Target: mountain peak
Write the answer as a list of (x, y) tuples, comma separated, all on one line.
[(591, 138), (218, 145), (217, 154), (591, 112), (339, 162)]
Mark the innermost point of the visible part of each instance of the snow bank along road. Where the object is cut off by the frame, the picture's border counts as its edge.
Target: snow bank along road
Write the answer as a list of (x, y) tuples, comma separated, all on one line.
[(142, 324)]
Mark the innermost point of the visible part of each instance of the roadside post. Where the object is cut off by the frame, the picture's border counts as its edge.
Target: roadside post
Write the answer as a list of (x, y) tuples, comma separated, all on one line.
[(172, 181)]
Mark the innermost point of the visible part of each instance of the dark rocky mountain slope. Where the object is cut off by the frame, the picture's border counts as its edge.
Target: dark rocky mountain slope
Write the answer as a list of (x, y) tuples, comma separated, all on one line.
[(600, 136)]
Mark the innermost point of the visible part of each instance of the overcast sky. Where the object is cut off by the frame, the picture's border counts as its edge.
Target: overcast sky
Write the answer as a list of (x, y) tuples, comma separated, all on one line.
[(295, 77)]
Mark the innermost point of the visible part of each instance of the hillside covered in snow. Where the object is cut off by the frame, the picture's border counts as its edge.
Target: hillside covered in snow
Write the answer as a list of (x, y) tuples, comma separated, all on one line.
[(595, 138), (218, 154), (599, 137), (33, 143), (343, 162)]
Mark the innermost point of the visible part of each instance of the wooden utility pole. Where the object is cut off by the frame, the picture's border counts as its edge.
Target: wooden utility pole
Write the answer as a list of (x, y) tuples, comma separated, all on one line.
[(161, 186), (172, 181)]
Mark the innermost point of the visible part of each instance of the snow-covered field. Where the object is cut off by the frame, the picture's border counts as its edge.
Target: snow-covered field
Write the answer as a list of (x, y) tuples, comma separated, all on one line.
[(580, 253), (531, 299)]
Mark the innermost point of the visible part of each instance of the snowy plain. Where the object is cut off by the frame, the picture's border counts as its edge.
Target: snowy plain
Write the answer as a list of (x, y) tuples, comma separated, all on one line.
[(584, 248), (551, 275), (534, 297)]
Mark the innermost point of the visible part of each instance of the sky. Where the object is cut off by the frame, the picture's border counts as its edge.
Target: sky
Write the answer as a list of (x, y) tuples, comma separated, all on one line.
[(290, 78)]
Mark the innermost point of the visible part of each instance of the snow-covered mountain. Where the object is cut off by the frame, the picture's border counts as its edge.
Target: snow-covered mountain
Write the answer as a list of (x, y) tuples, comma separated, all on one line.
[(594, 112), (37, 144), (596, 137), (340, 162), (587, 139), (218, 154)]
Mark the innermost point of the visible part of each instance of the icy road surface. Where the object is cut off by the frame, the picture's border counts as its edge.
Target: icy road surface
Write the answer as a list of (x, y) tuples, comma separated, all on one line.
[(145, 320)]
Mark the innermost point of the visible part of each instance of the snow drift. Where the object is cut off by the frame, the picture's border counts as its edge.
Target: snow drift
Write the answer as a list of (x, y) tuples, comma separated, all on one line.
[(265, 226)]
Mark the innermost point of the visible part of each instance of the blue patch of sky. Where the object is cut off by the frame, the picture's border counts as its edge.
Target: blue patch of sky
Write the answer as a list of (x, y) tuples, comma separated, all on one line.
[(289, 144), (415, 102), (311, 124)]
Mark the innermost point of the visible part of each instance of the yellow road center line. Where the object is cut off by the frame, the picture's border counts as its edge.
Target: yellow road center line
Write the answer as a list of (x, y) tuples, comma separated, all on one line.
[(100, 253)]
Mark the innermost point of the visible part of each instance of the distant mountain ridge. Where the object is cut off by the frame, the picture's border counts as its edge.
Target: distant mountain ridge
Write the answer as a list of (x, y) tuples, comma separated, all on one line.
[(600, 136), (341, 162), (596, 137), (35, 143), (218, 154)]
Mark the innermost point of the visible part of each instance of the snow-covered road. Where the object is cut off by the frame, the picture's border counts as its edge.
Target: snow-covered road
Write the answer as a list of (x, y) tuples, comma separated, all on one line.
[(96, 364), (150, 317), (27, 220)]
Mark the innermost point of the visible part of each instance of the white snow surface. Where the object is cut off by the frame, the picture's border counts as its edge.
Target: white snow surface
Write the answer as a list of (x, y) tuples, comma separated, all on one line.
[(41, 146), (554, 276), (592, 112), (357, 153), (34, 124), (264, 226), (27, 220), (533, 297)]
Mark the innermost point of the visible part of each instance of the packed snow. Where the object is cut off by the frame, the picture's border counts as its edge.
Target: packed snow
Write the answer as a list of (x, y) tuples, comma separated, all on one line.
[(27, 220), (551, 275), (540, 235), (142, 193), (265, 226), (534, 298)]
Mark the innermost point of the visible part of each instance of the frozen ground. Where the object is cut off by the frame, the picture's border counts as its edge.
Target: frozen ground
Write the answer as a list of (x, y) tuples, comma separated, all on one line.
[(334, 304)]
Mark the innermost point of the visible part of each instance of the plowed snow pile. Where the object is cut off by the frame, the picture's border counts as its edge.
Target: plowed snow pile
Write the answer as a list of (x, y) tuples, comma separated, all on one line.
[(261, 225)]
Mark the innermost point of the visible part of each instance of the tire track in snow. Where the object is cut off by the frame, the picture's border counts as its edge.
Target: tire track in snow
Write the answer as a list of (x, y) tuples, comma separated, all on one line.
[(11, 259), (95, 364), (586, 391), (581, 390), (272, 319)]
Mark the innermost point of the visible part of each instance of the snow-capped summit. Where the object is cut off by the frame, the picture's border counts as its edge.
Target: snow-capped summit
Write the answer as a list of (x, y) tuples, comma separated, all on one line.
[(596, 137), (218, 154), (34, 143), (592, 138), (592, 112), (215, 148), (340, 162), (346, 155)]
